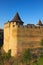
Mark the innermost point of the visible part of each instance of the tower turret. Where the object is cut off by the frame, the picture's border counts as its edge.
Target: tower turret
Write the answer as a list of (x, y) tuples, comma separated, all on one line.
[(39, 23), (17, 19)]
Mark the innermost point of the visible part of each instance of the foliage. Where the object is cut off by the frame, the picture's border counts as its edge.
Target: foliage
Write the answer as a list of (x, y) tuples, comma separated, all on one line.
[(5, 57), (26, 56), (41, 42), (39, 61), (1, 58), (26, 59), (8, 55)]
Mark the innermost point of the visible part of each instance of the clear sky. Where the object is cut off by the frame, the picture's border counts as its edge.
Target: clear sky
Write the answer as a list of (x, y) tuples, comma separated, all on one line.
[(30, 11)]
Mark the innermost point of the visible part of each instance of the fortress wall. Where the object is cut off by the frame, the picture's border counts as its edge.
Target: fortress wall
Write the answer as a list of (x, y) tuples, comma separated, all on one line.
[(13, 39), (19, 37), (30, 33), (29, 37), (10, 38), (6, 37)]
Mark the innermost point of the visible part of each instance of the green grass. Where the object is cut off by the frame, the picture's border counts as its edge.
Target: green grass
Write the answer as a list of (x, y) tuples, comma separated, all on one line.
[(39, 62)]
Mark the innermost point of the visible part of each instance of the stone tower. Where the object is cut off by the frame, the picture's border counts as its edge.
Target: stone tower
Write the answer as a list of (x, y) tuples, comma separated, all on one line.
[(11, 33)]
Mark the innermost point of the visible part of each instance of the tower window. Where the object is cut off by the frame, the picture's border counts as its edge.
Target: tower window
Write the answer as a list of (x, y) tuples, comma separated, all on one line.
[(18, 25), (13, 25)]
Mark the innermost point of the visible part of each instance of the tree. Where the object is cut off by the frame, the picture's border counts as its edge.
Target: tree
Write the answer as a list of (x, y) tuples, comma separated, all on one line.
[(26, 56)]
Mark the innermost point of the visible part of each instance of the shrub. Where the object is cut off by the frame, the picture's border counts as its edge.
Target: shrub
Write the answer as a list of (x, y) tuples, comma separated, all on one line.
[(8, 55), (26, 56), (41, 42)]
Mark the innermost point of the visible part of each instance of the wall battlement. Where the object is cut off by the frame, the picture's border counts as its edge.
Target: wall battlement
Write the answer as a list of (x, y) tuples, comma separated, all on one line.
[(13, 24)]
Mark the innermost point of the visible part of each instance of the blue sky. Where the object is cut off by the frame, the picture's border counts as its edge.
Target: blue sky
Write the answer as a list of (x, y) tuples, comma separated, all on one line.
[(30, 11)]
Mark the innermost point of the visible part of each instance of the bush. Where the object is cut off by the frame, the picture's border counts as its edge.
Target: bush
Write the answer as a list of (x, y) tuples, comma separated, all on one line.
[(26, 56), (8, 55), (41, 42)]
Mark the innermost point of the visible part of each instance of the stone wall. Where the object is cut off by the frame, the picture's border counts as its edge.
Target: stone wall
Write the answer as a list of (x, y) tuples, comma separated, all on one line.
[(19, 37), (10, 38), (29, 37), (6, 37)]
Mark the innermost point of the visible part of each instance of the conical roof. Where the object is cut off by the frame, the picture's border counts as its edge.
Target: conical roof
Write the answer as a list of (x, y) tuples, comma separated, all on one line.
[(17, 18), (39, 22)]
